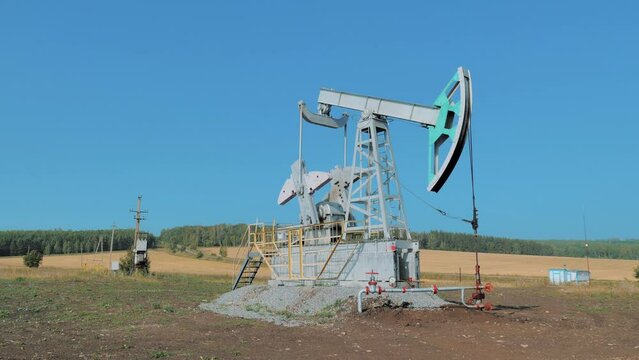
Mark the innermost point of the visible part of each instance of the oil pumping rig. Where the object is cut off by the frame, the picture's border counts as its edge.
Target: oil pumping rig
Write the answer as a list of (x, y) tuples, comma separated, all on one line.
[(358, 233)]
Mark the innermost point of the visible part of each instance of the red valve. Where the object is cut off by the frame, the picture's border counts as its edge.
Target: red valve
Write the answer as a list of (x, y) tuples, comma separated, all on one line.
[(488, 306), (379, 290), (372, 281), (435, 289), (368, 290), (470, 301), (488, 287), (404, 289)]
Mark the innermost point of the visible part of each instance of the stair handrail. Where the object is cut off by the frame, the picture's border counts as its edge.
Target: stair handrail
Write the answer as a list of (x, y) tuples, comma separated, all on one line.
[(244, 243)]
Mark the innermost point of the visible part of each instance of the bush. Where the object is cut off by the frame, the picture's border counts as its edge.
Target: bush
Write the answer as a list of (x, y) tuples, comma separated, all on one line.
[(127, 266), (126, 262), (637, 272), (199, 254), (32, 259), (223, 251)]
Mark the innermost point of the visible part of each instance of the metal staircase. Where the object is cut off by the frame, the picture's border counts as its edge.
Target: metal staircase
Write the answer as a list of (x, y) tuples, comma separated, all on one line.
[(248, 270)]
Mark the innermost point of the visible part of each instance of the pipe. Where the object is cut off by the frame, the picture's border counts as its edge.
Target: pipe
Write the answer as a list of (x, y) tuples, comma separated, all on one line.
[(433, 290), (359, 300)]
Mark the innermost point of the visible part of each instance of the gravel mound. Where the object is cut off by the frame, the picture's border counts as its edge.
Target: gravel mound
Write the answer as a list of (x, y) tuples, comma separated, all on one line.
[(299, 305)]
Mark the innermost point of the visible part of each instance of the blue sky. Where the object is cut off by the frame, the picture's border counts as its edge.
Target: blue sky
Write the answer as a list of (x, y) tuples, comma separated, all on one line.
[(193, 104)]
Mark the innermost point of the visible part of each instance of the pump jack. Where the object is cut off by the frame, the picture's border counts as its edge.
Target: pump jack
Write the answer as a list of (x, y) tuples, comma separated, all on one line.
[(361, 223)]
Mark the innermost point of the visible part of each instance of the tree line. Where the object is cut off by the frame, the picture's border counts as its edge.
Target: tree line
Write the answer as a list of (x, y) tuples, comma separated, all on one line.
[(18, 242), (206, 236), (14, 243), (609, 249), (231, 235)]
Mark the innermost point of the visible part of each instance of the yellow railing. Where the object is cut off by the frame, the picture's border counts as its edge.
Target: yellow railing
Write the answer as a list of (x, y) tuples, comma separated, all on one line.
[(282, 242), (242, 251)]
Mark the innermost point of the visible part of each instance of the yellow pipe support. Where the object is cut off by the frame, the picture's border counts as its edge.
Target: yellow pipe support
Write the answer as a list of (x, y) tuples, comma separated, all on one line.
[(301, 234), (345, 263), (290, 255), (329, 258), (268, 263)]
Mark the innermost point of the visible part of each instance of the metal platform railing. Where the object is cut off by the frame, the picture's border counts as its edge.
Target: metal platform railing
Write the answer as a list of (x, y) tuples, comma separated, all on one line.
[(301, 252)]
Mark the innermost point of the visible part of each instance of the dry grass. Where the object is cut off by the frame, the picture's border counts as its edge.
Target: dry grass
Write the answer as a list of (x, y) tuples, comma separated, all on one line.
[(521, 265), (162, 261), (507, 268)]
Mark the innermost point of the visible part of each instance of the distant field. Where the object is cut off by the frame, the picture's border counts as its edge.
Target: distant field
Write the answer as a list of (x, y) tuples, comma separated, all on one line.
[(432, 261), (162, 261), (523, 265)]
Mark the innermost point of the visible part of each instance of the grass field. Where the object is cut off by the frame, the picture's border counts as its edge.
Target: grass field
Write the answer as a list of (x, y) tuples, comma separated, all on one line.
[(56, 313), (445, 262), (61, 311), (53, 312)]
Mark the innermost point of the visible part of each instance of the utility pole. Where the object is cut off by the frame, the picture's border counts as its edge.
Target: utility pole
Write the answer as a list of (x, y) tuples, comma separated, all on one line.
[(139, 244), (583, 214), (138, 216), (111, 247), (98, 248)]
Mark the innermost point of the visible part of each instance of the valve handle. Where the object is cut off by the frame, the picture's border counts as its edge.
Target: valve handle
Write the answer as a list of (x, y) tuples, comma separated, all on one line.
[(488, 287)]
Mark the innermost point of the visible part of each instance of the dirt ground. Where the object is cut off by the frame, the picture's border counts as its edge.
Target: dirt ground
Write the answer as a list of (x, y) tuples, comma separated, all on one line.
[(452, 333), (93, 316)]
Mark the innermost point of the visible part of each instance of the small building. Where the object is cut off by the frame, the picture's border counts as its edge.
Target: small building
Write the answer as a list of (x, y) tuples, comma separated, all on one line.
[(561, 276)]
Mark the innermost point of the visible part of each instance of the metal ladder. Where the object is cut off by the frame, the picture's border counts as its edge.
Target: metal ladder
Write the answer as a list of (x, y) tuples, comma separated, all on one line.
[(248, 270)]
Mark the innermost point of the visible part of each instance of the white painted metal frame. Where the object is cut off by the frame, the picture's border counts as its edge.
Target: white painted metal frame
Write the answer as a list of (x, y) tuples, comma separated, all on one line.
[(377, 195)]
